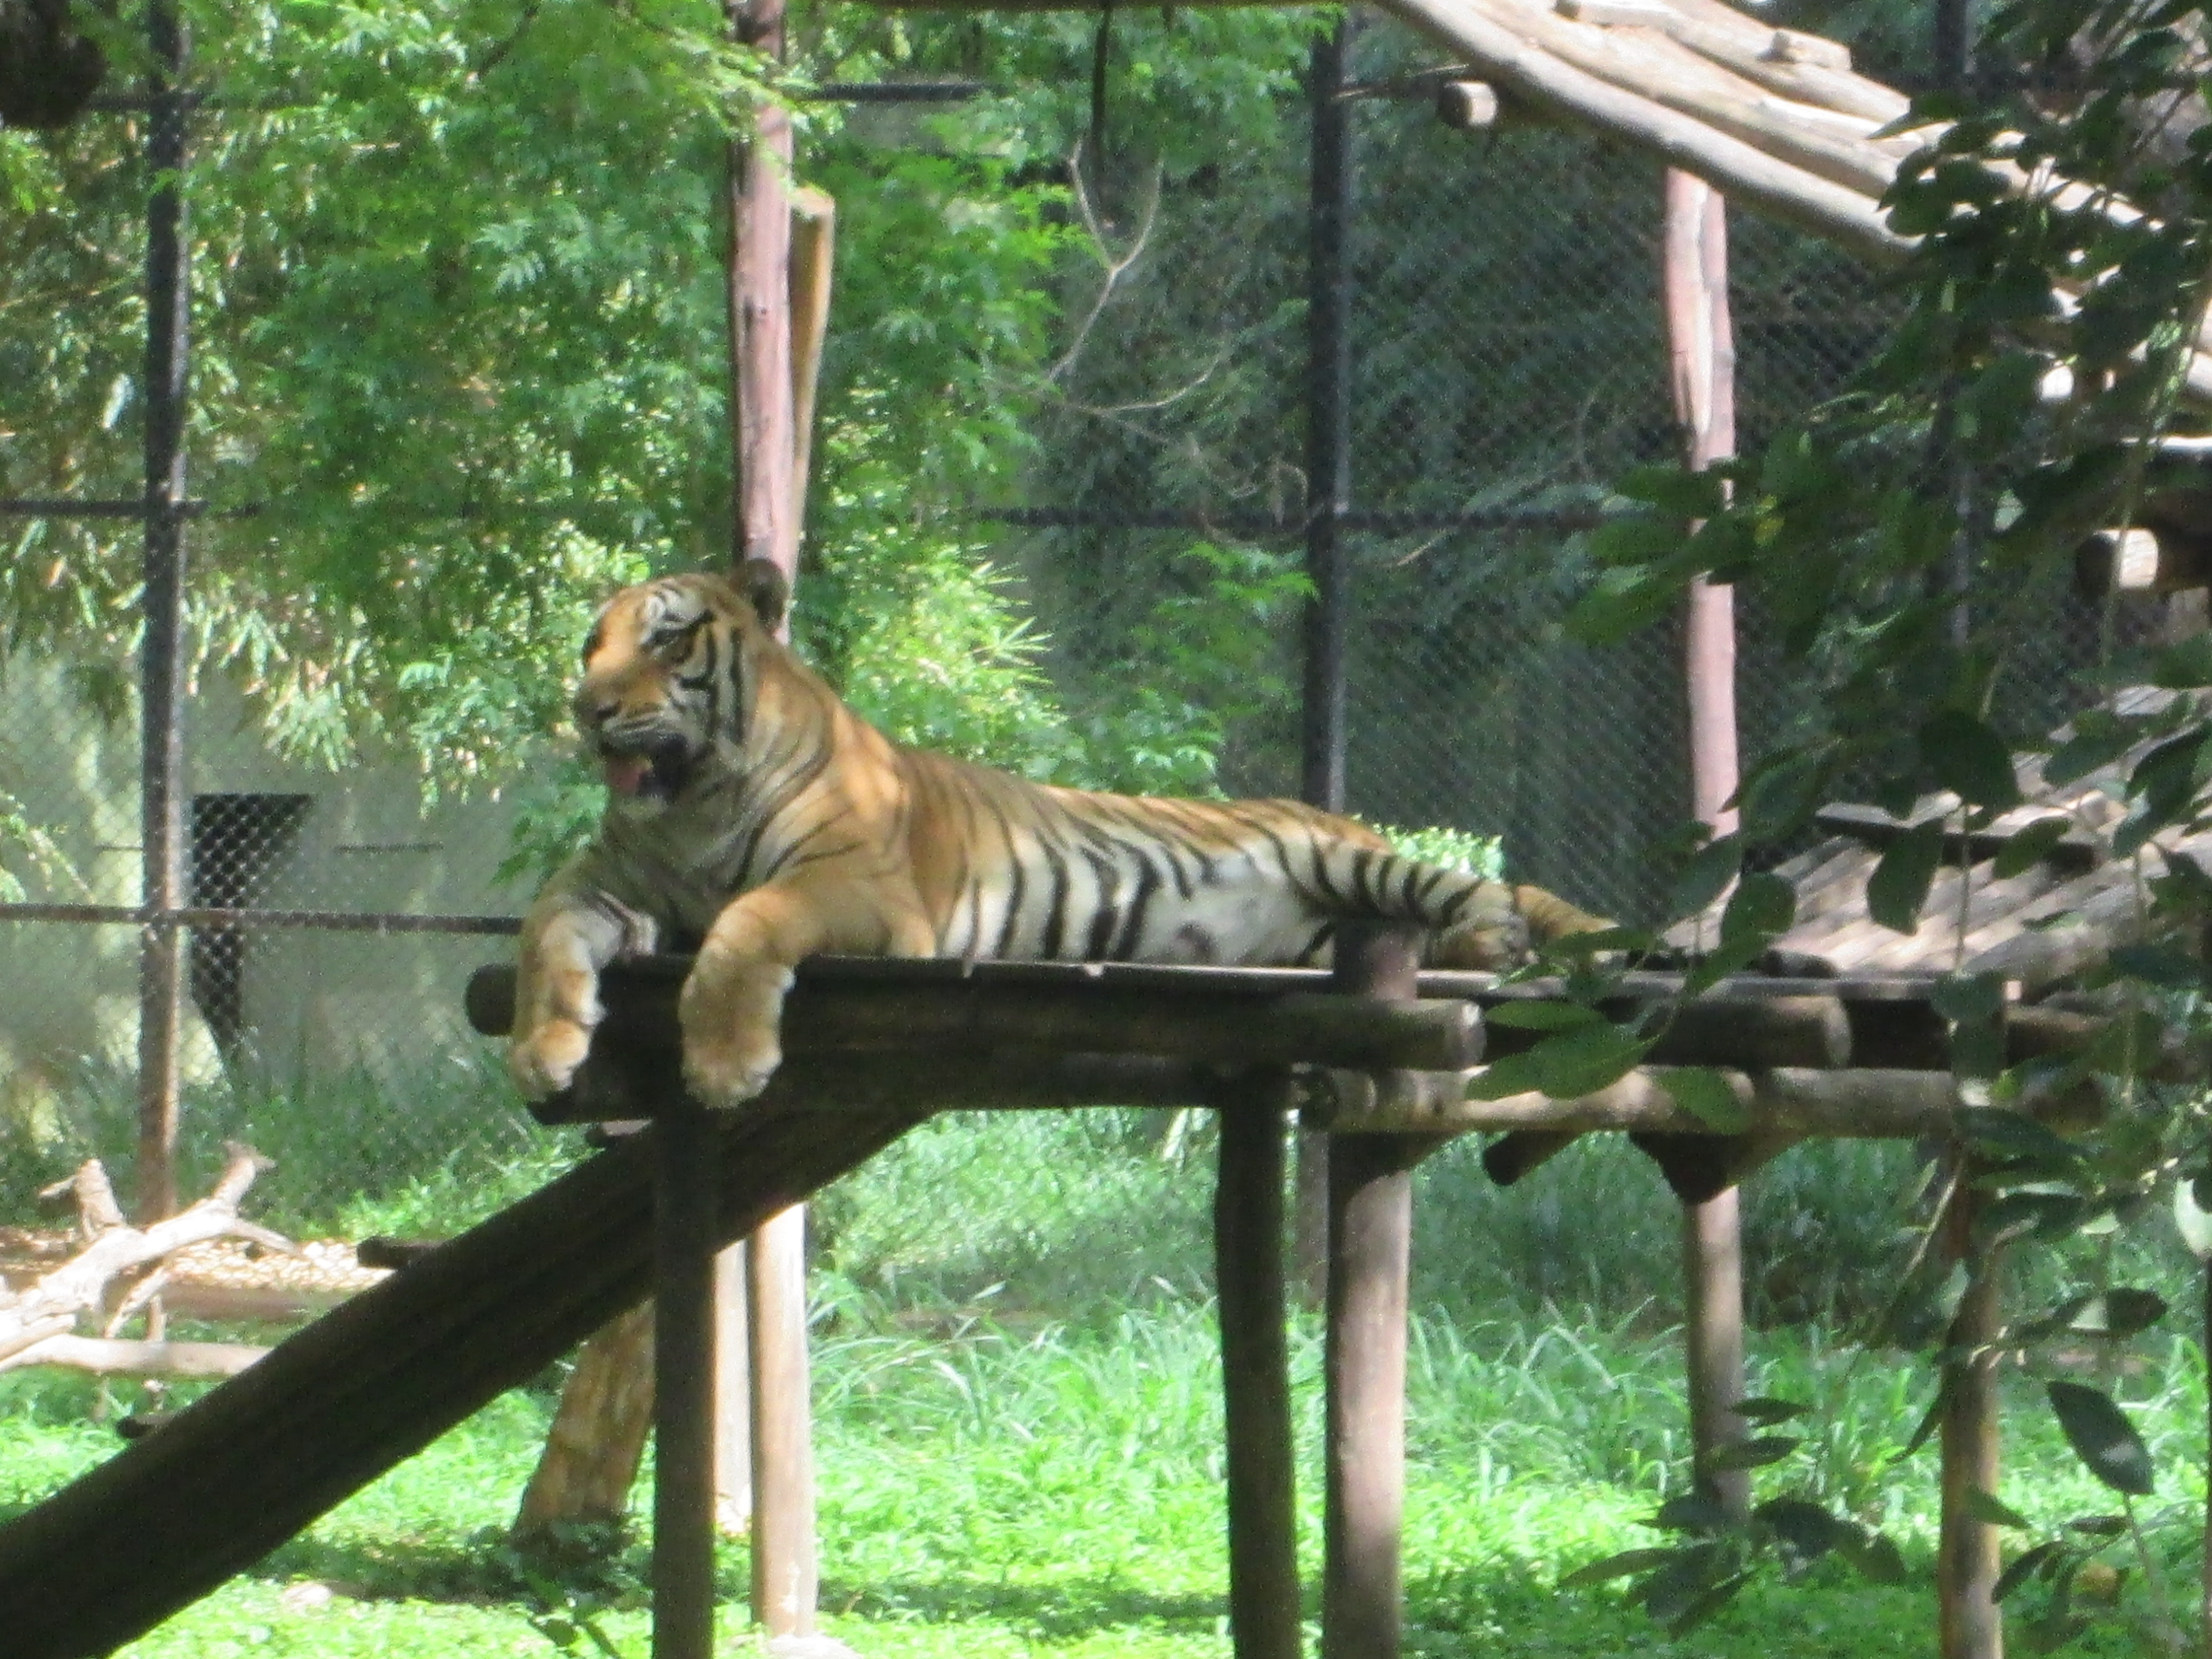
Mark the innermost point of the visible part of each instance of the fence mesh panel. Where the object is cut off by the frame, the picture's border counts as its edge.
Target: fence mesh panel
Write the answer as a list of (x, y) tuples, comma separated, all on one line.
[(1507, 365)]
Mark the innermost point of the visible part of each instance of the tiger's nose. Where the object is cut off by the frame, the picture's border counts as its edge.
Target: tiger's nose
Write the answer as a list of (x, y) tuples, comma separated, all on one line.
[(596, 710)]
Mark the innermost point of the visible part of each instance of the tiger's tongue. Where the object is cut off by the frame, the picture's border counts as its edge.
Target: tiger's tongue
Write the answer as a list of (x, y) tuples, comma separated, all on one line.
[(625, 773)]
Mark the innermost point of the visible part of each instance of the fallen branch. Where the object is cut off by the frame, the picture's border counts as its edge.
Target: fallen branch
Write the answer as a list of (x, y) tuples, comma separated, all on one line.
[(34, 1319)]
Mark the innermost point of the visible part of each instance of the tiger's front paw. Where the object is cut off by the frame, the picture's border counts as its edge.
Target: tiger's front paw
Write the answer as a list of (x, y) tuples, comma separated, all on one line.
[(730, 1048), (727, 1072), (544, 1060)]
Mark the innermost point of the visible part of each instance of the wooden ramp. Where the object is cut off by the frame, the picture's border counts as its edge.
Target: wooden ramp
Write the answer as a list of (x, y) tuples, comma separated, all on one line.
[(252, 1463)]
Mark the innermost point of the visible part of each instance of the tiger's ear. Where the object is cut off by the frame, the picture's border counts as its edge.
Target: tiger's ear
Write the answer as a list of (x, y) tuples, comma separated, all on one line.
[(764, 585)]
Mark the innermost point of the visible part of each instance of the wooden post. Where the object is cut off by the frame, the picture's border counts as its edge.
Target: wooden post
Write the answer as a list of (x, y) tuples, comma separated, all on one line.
[(1256, 1375), (1971, 1626), (766, 455), (163, 784), (684, 1202), (734, 1394), (783, 1449), (1701, 354), (1370, 1212)]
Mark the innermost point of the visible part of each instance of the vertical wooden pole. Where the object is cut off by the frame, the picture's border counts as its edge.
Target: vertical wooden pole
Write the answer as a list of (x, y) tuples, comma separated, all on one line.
[(783, 1449), (733, 1393), (686, 1193), (765, 525), (1701, 356), (1256, 1374), (1329, 498), (163, 784), (1369, 1256), (1971, 1624)]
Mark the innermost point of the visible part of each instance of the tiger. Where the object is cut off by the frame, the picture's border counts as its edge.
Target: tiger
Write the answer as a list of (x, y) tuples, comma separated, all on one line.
[(750, 811)]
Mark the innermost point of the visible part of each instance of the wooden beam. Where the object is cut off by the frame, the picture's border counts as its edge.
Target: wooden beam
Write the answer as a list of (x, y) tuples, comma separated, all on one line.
[(113, 1357), (845, 1015), (683, 1246), (1467, 105), (254, 1461), (1264, 1603)]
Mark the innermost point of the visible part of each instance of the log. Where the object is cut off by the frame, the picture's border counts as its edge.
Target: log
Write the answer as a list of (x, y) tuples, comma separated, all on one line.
[(1467, 105), (2075, 851), (52, 1304), (169, 1519), (1526, 71), (784, 1584), (1970, 1624), (111, 1357), (900, 1016), (2141, 561)]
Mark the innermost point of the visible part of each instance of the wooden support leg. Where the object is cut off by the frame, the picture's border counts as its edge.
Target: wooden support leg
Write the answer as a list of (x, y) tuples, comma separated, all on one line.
[(1712, 1284), (1971, 1626), (733, 1393), (685, 1219), (1248, 1245), (783, 1446), (1370, 1224)]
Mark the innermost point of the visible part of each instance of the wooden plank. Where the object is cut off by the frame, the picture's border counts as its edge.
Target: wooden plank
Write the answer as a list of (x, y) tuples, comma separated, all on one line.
[(255, 1460), (1264, 1605)]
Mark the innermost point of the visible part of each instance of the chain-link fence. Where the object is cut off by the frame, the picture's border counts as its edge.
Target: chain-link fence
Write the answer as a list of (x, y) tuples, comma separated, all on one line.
[(1506, 365)]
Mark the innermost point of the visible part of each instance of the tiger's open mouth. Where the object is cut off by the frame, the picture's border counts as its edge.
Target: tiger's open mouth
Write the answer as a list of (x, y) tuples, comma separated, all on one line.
[(655, 773)]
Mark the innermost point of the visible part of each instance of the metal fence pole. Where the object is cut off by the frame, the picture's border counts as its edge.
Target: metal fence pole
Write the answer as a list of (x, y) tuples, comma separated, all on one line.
[(163, 781), (1329, 499)]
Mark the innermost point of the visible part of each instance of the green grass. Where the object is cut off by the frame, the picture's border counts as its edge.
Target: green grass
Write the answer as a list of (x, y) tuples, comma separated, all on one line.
[(1019, 1418), (1056, 1490)]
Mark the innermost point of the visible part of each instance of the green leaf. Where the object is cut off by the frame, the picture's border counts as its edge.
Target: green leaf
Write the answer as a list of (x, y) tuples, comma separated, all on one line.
[(2102, 1438), (1997, 1133), (1706, 877), (2186, 665), (1968, 999), (2157, 964), (1874, 1556), (2092, 745), (2117, 1315), (1701, 1610), (1763, 1409), (1992, 1510), (1618, 1566), (2024, 1567), (2025, 849), (1967, 758), (1580, 1062), (1754, 1454), (1676, 491), (1763, 906), (1809, 1530), (1707, 1096), (1781, 795), (1515, 1074), (1690, 1511), (1534, 1016), (1897, 888)]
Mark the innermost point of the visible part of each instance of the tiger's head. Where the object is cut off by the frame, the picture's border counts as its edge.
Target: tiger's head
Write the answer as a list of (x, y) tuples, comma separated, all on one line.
[(669, 670)]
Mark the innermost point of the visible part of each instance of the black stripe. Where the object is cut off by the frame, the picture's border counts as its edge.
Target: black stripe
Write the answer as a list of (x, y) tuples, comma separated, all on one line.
[(1362, 865), (1106, 918), (1133, 921), (1056, 914), (1017, 885), (1409, 895), (1321, 936)]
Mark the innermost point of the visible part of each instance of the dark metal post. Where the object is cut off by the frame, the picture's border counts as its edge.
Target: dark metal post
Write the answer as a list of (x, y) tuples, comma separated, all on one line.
[(1255, 1371), (1329, 498), (1329, 424), (162, 767), (684, 1196)]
